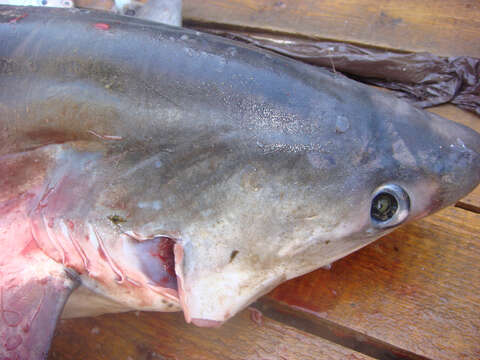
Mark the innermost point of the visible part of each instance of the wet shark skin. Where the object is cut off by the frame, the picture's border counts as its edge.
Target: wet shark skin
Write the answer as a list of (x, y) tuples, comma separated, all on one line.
[(258, 167)]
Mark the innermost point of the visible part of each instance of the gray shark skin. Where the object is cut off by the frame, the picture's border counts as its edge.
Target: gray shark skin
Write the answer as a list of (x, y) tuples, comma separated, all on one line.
[(159, 168)]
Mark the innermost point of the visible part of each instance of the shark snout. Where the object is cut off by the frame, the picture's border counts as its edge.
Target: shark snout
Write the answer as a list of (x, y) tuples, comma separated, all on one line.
[(457, 163)]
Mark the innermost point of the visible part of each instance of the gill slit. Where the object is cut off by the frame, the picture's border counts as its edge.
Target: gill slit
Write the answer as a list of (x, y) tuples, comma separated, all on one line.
[(76, 245), (110, 262), (53, 239)]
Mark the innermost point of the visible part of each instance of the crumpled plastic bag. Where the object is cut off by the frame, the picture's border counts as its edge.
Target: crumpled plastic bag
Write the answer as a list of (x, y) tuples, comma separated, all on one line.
[(425, 79)]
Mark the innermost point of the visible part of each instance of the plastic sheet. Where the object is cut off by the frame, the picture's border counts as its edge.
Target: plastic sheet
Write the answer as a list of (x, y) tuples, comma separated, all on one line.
[(423, 78)]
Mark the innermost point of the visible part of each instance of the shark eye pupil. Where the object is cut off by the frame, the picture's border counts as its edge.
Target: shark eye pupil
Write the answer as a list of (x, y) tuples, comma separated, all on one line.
[(390, 206), (384, 206)]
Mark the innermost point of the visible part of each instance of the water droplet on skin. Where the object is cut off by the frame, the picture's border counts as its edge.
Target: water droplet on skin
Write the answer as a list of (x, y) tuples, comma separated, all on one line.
[(342, 124), (221, 62), (231, 51), (327, 267), (448, 178), (155, 205)]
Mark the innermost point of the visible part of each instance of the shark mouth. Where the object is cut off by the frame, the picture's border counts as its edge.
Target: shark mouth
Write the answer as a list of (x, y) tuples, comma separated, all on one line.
[(157, 261), (162, 262), (179, 256)]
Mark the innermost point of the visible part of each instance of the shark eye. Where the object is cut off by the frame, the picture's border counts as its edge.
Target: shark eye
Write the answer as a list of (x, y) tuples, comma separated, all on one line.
[(390, 206)]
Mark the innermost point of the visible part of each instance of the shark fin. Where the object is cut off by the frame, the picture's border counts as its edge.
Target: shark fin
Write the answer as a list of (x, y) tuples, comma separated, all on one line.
[(33, 291)]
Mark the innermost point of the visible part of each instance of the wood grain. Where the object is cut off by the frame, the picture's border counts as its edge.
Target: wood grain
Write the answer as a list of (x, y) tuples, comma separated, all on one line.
[(417, 289), (142, 336), (471, 202), (442, 27), (95, 4)]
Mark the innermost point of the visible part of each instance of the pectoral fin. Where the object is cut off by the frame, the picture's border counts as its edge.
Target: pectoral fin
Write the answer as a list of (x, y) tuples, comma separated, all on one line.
[(33, 291), (33, 287)]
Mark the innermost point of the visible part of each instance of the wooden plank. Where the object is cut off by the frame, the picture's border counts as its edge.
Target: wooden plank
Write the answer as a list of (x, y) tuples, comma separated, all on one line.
[(441, 27), (141, 336), (95, 4), (328, 330), (471, 202), (417, 288)]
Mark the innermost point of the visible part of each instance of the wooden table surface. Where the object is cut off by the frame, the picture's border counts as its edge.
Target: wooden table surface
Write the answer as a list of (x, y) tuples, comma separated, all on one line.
[(414, 294)]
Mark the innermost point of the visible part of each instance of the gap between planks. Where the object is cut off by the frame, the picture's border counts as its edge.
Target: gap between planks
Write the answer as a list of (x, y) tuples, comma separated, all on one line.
[(310, 323)]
